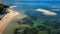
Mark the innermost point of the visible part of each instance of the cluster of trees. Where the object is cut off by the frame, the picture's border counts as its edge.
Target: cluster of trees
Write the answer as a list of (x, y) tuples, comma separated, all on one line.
[(41, 26), (50, 27), (2, 7), (25, 20)]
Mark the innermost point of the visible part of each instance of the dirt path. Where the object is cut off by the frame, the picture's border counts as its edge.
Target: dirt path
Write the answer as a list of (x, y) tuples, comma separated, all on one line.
[(6, 20)]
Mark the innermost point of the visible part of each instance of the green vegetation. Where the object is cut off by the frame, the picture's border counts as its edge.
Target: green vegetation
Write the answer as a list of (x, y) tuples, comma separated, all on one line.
[(39, 26), (42, 28), (38, 22), (2, 6), (49, 27)]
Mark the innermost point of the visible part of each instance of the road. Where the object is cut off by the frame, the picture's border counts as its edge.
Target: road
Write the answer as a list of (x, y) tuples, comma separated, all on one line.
[(7, 19)]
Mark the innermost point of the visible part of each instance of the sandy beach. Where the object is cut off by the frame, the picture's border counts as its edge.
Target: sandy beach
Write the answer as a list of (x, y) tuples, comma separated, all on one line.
[(7, 18)]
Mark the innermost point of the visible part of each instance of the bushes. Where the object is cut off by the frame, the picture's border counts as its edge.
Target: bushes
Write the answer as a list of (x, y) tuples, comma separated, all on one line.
[(2, 6), (31, 31), (38, 27)]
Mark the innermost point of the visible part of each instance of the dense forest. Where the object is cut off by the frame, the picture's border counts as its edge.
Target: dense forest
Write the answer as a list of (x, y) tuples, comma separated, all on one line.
[(41, 26)]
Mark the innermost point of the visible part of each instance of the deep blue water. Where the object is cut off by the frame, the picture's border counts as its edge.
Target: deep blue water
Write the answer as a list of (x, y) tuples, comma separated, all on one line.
[(29, 7)]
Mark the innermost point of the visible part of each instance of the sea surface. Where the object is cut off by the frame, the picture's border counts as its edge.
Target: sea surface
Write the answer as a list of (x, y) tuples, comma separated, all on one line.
[(29, 7)]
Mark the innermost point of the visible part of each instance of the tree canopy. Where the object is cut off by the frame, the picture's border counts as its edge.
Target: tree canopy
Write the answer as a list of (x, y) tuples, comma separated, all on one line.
[(2, 6)]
